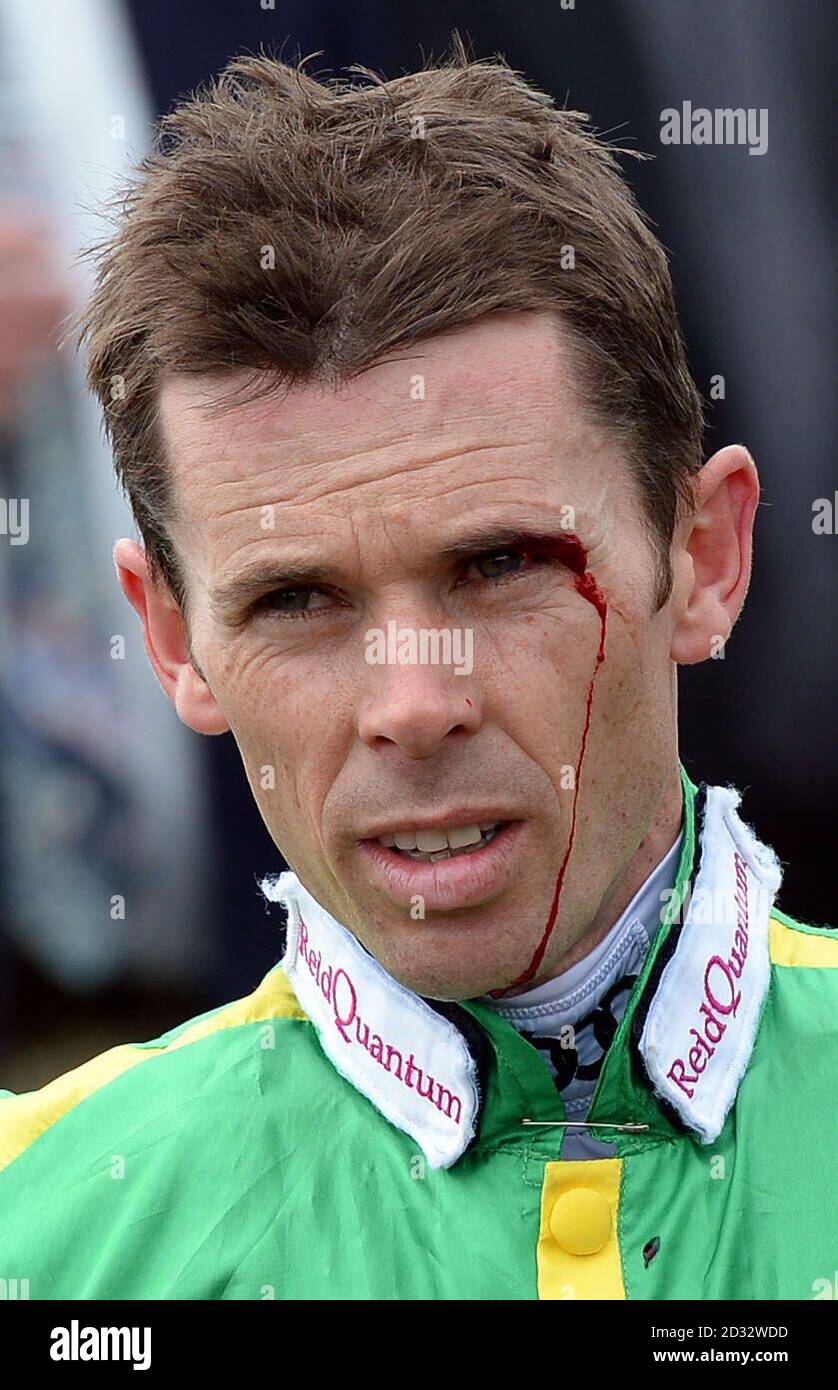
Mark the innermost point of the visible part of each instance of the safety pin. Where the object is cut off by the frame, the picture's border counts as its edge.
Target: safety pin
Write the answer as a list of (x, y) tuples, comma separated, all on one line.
[(630, 1128)]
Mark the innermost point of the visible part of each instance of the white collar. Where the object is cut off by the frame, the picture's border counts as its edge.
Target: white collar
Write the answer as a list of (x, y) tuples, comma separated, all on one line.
[(699, 1010), (709, 981)]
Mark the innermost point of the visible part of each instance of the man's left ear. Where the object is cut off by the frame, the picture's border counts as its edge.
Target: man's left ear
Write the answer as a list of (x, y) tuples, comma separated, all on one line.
[(166, 642), (712, 559)]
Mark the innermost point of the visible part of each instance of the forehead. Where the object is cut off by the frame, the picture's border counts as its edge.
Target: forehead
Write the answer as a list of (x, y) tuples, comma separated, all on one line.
[(456, 420)]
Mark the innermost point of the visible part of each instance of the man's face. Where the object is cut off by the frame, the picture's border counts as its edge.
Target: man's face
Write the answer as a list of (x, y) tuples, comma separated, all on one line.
[(307, 521)]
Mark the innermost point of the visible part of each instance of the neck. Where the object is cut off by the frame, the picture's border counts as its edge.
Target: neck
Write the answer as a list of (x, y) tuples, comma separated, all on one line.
[(660, 838)]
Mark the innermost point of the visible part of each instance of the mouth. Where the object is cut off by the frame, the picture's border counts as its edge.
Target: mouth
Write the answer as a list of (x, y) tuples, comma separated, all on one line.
[(431, 846), (446, 867)]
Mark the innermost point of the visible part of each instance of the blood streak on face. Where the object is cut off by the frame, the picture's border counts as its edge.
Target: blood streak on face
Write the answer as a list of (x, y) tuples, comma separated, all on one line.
[(571, 551)]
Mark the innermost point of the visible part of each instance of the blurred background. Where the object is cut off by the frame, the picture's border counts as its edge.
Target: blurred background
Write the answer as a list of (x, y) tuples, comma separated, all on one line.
[(130, 847)]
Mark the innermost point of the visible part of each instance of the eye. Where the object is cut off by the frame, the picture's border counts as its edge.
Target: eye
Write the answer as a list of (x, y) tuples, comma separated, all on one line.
[(500, 563), (300, 602), (503, 564)]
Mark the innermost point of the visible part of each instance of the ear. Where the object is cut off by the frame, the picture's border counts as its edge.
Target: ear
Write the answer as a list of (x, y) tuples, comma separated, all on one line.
[(712, 564), (166, 641)]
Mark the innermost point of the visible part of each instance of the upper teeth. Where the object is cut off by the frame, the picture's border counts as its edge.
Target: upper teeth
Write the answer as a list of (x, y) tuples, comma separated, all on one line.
[(431, 841)]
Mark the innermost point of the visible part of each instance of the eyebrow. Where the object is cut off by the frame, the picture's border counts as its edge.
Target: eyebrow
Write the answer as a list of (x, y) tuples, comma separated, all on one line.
[(492, 537), (232, 597)]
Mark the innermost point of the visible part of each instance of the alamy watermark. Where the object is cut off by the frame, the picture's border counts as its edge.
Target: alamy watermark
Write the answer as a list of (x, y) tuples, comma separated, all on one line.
[(421, 646), (723, 125), (78, 1342)]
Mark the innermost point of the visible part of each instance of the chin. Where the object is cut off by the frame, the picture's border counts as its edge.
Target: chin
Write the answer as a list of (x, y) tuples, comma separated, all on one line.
[(449, 980)]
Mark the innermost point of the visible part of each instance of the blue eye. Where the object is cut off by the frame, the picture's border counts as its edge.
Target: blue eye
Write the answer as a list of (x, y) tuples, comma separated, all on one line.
[(499, 564)]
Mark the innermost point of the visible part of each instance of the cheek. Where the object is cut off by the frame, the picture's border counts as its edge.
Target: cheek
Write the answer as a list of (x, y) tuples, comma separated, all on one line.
[(536, 680), (279, 714), (266, 698), (546, 673), (634, 728)]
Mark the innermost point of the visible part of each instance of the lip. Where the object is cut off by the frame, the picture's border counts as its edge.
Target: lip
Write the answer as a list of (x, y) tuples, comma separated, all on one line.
[(448, 821), (445, 884)]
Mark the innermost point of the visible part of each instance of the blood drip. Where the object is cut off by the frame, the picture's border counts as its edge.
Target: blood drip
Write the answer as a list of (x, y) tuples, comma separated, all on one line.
[(573, 553)]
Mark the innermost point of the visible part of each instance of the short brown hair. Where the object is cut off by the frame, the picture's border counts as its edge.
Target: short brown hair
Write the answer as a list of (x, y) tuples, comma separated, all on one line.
[(394, 210)]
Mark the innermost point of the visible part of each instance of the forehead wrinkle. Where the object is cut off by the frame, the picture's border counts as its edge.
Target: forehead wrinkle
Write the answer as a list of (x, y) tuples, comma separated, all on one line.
[(388, 510), (291, 512), (456, 450), (453, 459), (297, 495)]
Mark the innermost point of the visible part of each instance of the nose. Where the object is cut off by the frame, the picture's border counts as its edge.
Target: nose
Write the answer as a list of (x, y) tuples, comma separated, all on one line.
[(416, 707)]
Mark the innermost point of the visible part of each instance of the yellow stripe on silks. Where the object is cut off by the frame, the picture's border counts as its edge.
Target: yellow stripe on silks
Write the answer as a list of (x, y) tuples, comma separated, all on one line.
[(789, 947), (24, 1118), (579, 1211)]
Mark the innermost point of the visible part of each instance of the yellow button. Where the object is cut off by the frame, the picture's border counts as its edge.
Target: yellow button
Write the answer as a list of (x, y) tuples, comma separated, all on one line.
[(581, 1221)]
